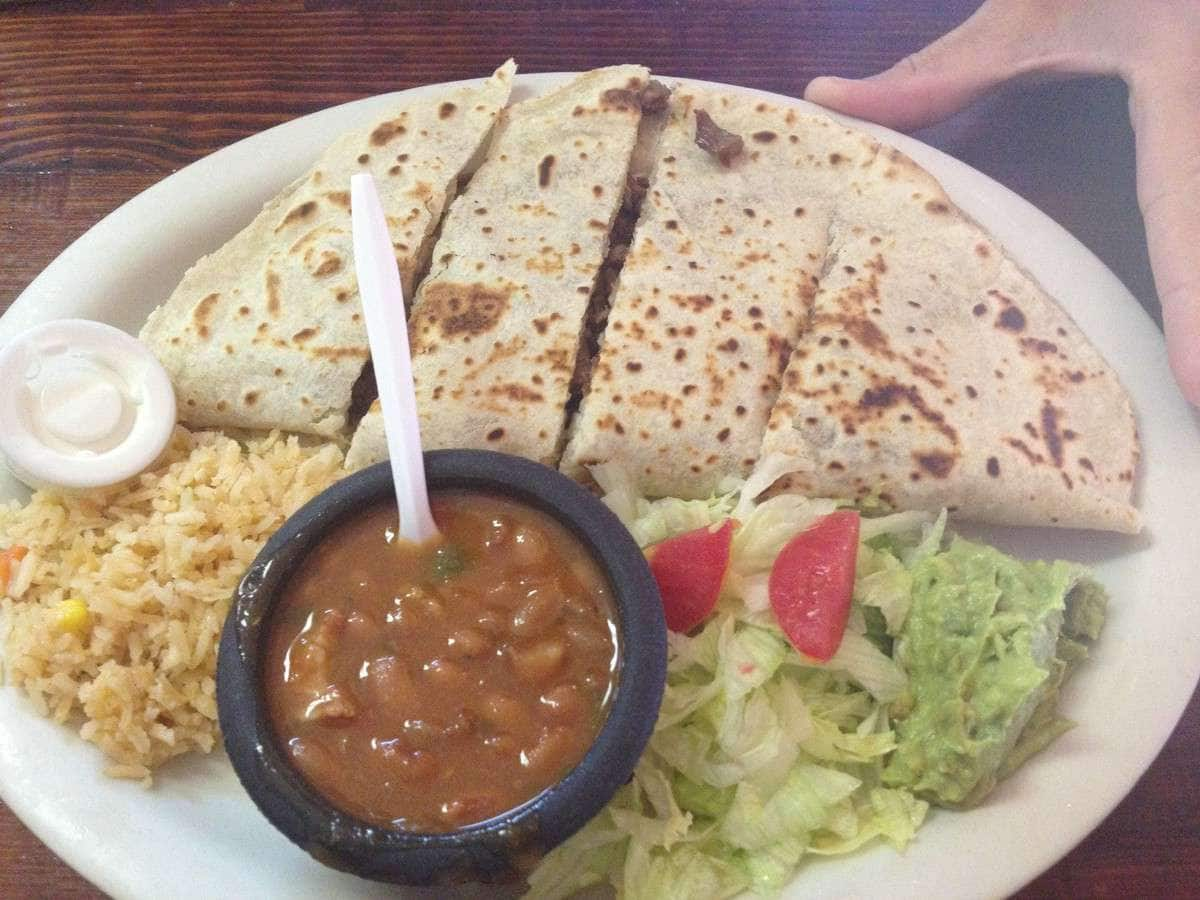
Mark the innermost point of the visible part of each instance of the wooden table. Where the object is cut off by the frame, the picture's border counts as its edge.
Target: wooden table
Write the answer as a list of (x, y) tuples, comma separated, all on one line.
[(98, 101)]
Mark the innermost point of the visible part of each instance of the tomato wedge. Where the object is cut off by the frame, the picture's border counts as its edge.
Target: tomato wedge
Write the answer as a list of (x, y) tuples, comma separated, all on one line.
[(689, 569), (812, 582)]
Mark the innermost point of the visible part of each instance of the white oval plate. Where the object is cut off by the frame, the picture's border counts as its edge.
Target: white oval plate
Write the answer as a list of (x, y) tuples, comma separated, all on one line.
[(195, 834)]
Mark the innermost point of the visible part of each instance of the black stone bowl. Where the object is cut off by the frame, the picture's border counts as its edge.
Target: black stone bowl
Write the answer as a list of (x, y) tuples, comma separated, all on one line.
[(498, 849)]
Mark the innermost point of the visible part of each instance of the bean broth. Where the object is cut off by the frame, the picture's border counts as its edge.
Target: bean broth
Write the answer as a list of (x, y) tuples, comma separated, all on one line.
[(431, 687)]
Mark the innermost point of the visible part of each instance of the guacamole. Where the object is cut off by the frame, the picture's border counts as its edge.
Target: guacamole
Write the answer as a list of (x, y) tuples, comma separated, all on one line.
[(986, 644)]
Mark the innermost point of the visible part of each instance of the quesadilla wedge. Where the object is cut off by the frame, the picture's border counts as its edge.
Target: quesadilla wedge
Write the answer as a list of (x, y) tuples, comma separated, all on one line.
[(497, 323), (937, 373), (267, 332), (715, 288)]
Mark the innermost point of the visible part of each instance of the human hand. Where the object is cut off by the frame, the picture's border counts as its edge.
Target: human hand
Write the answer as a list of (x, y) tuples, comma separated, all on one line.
[(1154, 47)]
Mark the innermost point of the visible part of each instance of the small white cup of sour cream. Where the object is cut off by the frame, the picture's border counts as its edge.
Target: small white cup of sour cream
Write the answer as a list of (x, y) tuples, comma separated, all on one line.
[(82, 405)]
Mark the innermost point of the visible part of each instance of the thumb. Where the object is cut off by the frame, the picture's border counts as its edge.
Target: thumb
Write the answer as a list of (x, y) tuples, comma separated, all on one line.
[(1165, 109), (993, 45)]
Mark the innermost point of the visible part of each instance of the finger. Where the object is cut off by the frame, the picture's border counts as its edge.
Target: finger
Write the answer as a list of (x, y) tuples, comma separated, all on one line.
[(1003, 39), (1165, 110)]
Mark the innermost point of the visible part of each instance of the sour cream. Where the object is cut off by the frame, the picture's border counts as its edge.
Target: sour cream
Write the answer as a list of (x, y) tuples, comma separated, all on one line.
[(82, 405)]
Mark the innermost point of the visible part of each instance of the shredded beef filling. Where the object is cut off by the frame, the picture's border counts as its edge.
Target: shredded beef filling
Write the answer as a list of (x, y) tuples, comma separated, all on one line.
[(712, 138), (654, 97)]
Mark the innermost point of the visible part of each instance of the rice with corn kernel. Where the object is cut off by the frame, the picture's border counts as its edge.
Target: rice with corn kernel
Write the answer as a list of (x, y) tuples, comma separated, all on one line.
[(113, 615)]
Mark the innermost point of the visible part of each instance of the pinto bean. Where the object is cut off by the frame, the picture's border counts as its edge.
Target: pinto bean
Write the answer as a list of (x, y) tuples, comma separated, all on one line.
[(539, 662)]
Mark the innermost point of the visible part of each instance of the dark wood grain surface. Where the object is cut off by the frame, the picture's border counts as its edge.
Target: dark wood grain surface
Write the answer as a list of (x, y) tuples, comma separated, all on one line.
[(100, 100)]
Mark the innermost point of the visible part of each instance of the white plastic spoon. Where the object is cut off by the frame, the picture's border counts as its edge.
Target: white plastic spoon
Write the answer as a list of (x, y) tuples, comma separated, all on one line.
[(387, 332)]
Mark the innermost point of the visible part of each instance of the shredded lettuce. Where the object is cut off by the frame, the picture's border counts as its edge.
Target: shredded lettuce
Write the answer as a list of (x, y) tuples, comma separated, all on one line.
[(762, 756)]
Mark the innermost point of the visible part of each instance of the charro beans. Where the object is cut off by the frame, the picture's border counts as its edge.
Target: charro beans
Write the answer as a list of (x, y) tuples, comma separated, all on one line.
[(428, 688)]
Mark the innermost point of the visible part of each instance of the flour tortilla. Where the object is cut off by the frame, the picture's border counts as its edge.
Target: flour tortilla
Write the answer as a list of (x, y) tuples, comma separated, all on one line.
[(267, 331), (716, 286), (937, 373), (497, 322)]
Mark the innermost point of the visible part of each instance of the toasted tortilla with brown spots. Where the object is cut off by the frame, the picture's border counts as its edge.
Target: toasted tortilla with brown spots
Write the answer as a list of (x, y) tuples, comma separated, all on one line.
[(267, 332), (937, 373), (715, 288), (497, 323)]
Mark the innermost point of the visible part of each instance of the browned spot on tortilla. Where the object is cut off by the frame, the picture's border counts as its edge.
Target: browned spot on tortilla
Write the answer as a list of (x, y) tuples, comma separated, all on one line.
[(446, 110), (937, 207), (460, 309), (304, 334), (979, 309), (836, 158), (243, 310), (729, 346), (597, 224), (1011, 319), (754, 312), (1023, 448), (299, 214), (336, 353), (749, 212), (1037, 345), (982, 251), (364, 158), (251, 398), (689, 389), (516, 392), (937, 464), (698, 302), (545, 168), (670, 224), (273, 294), (868, 334), (339, 198), (993, 467), (221, 406), (229, 349), (329, 266), (597, 190), (495, 434), (385, 131), (200, 315), (633, 366), (680, 354), (764, 137), (1086, 463), (278, 371), (971, 392), (1050, 432), (892, 394), (723, 435)]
